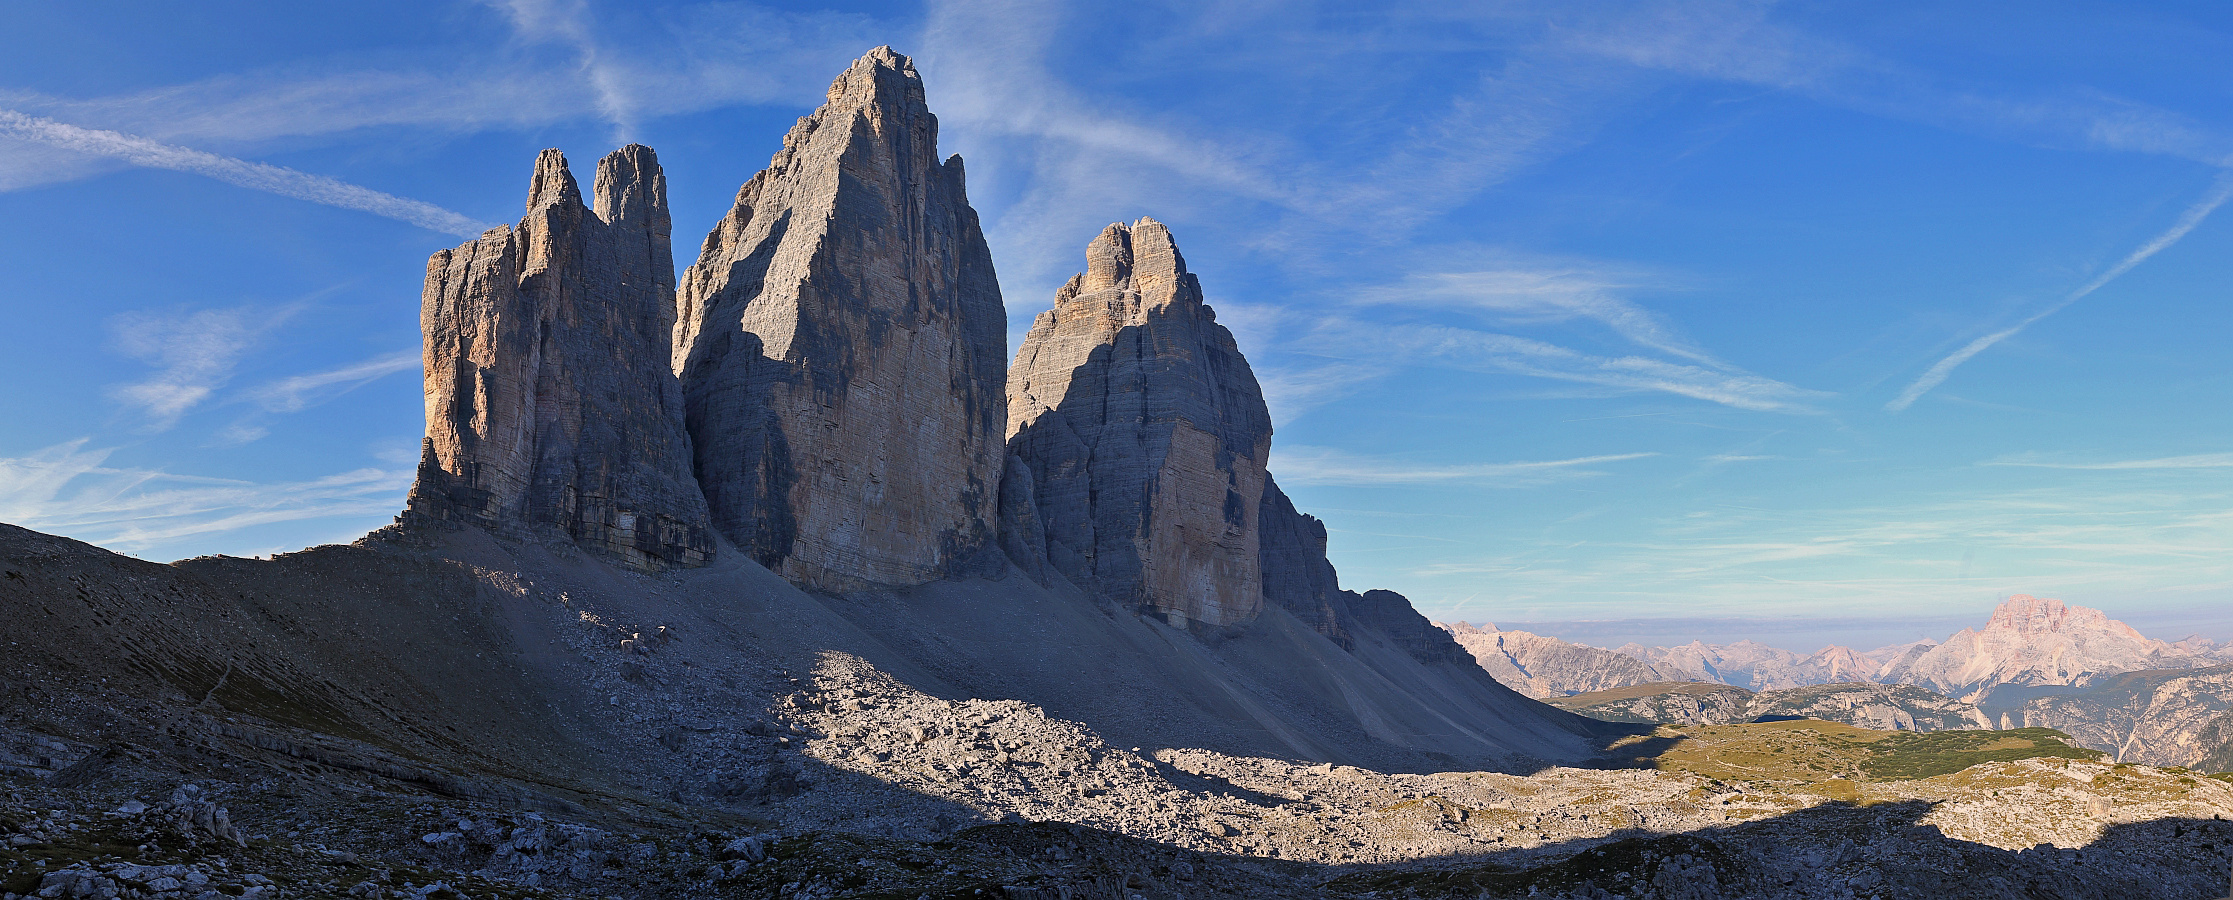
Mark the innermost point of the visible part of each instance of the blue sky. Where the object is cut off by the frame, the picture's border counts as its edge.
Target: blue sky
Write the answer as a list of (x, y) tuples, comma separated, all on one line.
[(1802, 322)]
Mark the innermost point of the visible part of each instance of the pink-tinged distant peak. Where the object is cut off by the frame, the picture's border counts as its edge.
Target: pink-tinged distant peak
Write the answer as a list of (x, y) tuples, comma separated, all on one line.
[(2026, 614)]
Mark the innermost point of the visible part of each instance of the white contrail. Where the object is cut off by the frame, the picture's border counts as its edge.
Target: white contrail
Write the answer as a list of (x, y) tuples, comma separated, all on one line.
[(285, 182), (2187, 221)]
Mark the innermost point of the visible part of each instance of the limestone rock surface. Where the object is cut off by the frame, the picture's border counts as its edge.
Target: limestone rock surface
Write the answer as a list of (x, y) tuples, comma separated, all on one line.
[(1879, 707), (840, 345), (1683, 703), (1146, 435), (549, 400), (2158, 717), (2217, 742)]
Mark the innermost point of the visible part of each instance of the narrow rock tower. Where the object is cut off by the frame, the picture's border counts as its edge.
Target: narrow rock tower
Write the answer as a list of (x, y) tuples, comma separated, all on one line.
[(840, 349), (1145, 436), (550, 403)]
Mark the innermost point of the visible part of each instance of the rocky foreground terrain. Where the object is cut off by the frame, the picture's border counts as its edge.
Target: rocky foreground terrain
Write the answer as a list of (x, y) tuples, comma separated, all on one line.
[(878, 790)]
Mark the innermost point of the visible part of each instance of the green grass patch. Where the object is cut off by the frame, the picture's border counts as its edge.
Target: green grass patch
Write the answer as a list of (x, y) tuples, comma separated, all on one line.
[(1909, 755)]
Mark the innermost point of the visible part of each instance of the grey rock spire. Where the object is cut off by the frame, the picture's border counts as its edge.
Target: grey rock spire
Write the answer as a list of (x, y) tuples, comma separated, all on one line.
[(1145, 434), (840, 348), (550, 404)]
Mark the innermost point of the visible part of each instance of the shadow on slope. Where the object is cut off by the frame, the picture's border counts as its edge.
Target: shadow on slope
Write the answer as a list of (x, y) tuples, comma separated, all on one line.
[(1839, 850), (439, 652)]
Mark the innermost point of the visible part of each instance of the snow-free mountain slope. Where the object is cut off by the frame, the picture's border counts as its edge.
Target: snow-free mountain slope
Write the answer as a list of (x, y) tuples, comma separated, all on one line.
[(2034, 641)]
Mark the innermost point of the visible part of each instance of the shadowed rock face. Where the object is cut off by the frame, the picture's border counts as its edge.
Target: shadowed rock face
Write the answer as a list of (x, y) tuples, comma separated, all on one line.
[(1299, 579), (840, 343), (1145, 434), (549, 400)]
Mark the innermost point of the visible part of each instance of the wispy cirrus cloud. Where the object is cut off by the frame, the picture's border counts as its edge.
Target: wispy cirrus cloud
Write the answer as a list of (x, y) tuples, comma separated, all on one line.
[(642, 64), (194, 353), (1486, 351), (1742, 42), (140, 151), (1549, 292), (2194, 461), (68, 489), (570, 22), (2193, 216), (1325, 465), (298, 392)]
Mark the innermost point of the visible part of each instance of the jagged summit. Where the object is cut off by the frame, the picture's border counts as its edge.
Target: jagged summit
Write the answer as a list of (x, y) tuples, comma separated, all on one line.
[(549, 402), (2026, 614), (840, 346), (1145, 434), (2034, 641)]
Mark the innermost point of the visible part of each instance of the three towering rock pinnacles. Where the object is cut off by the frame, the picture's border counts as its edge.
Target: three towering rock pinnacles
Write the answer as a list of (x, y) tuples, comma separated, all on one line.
[(826, 389)]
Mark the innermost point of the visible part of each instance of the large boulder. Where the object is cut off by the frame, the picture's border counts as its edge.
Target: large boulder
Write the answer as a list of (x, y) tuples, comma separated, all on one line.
[(840, 346), (550, 404)]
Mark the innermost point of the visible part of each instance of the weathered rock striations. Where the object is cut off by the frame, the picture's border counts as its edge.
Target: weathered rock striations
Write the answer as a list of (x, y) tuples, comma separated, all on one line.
[(1297, 575), (1145, 434), (840, 346), (549, 399), (2163, 717), (2217, 740)]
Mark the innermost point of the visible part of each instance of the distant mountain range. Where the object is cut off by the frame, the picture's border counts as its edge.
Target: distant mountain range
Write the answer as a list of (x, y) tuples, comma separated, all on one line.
[(1884, 707), (2036, 662)]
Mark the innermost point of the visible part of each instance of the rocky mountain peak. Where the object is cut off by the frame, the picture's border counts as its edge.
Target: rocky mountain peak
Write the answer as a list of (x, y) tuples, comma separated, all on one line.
[(2026, 614), (1145, 434), (630, 189), (840, 347), (550, 404), (1140, 258), (553, 184)]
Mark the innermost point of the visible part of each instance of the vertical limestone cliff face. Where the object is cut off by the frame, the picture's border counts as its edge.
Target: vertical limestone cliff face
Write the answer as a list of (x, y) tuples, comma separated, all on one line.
[(840, 344), (1144, 435), (550, 403)]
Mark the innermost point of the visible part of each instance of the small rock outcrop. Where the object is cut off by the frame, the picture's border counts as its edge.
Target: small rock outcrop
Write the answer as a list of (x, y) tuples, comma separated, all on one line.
[(549, 400), (1145, 435), (840, 346)]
